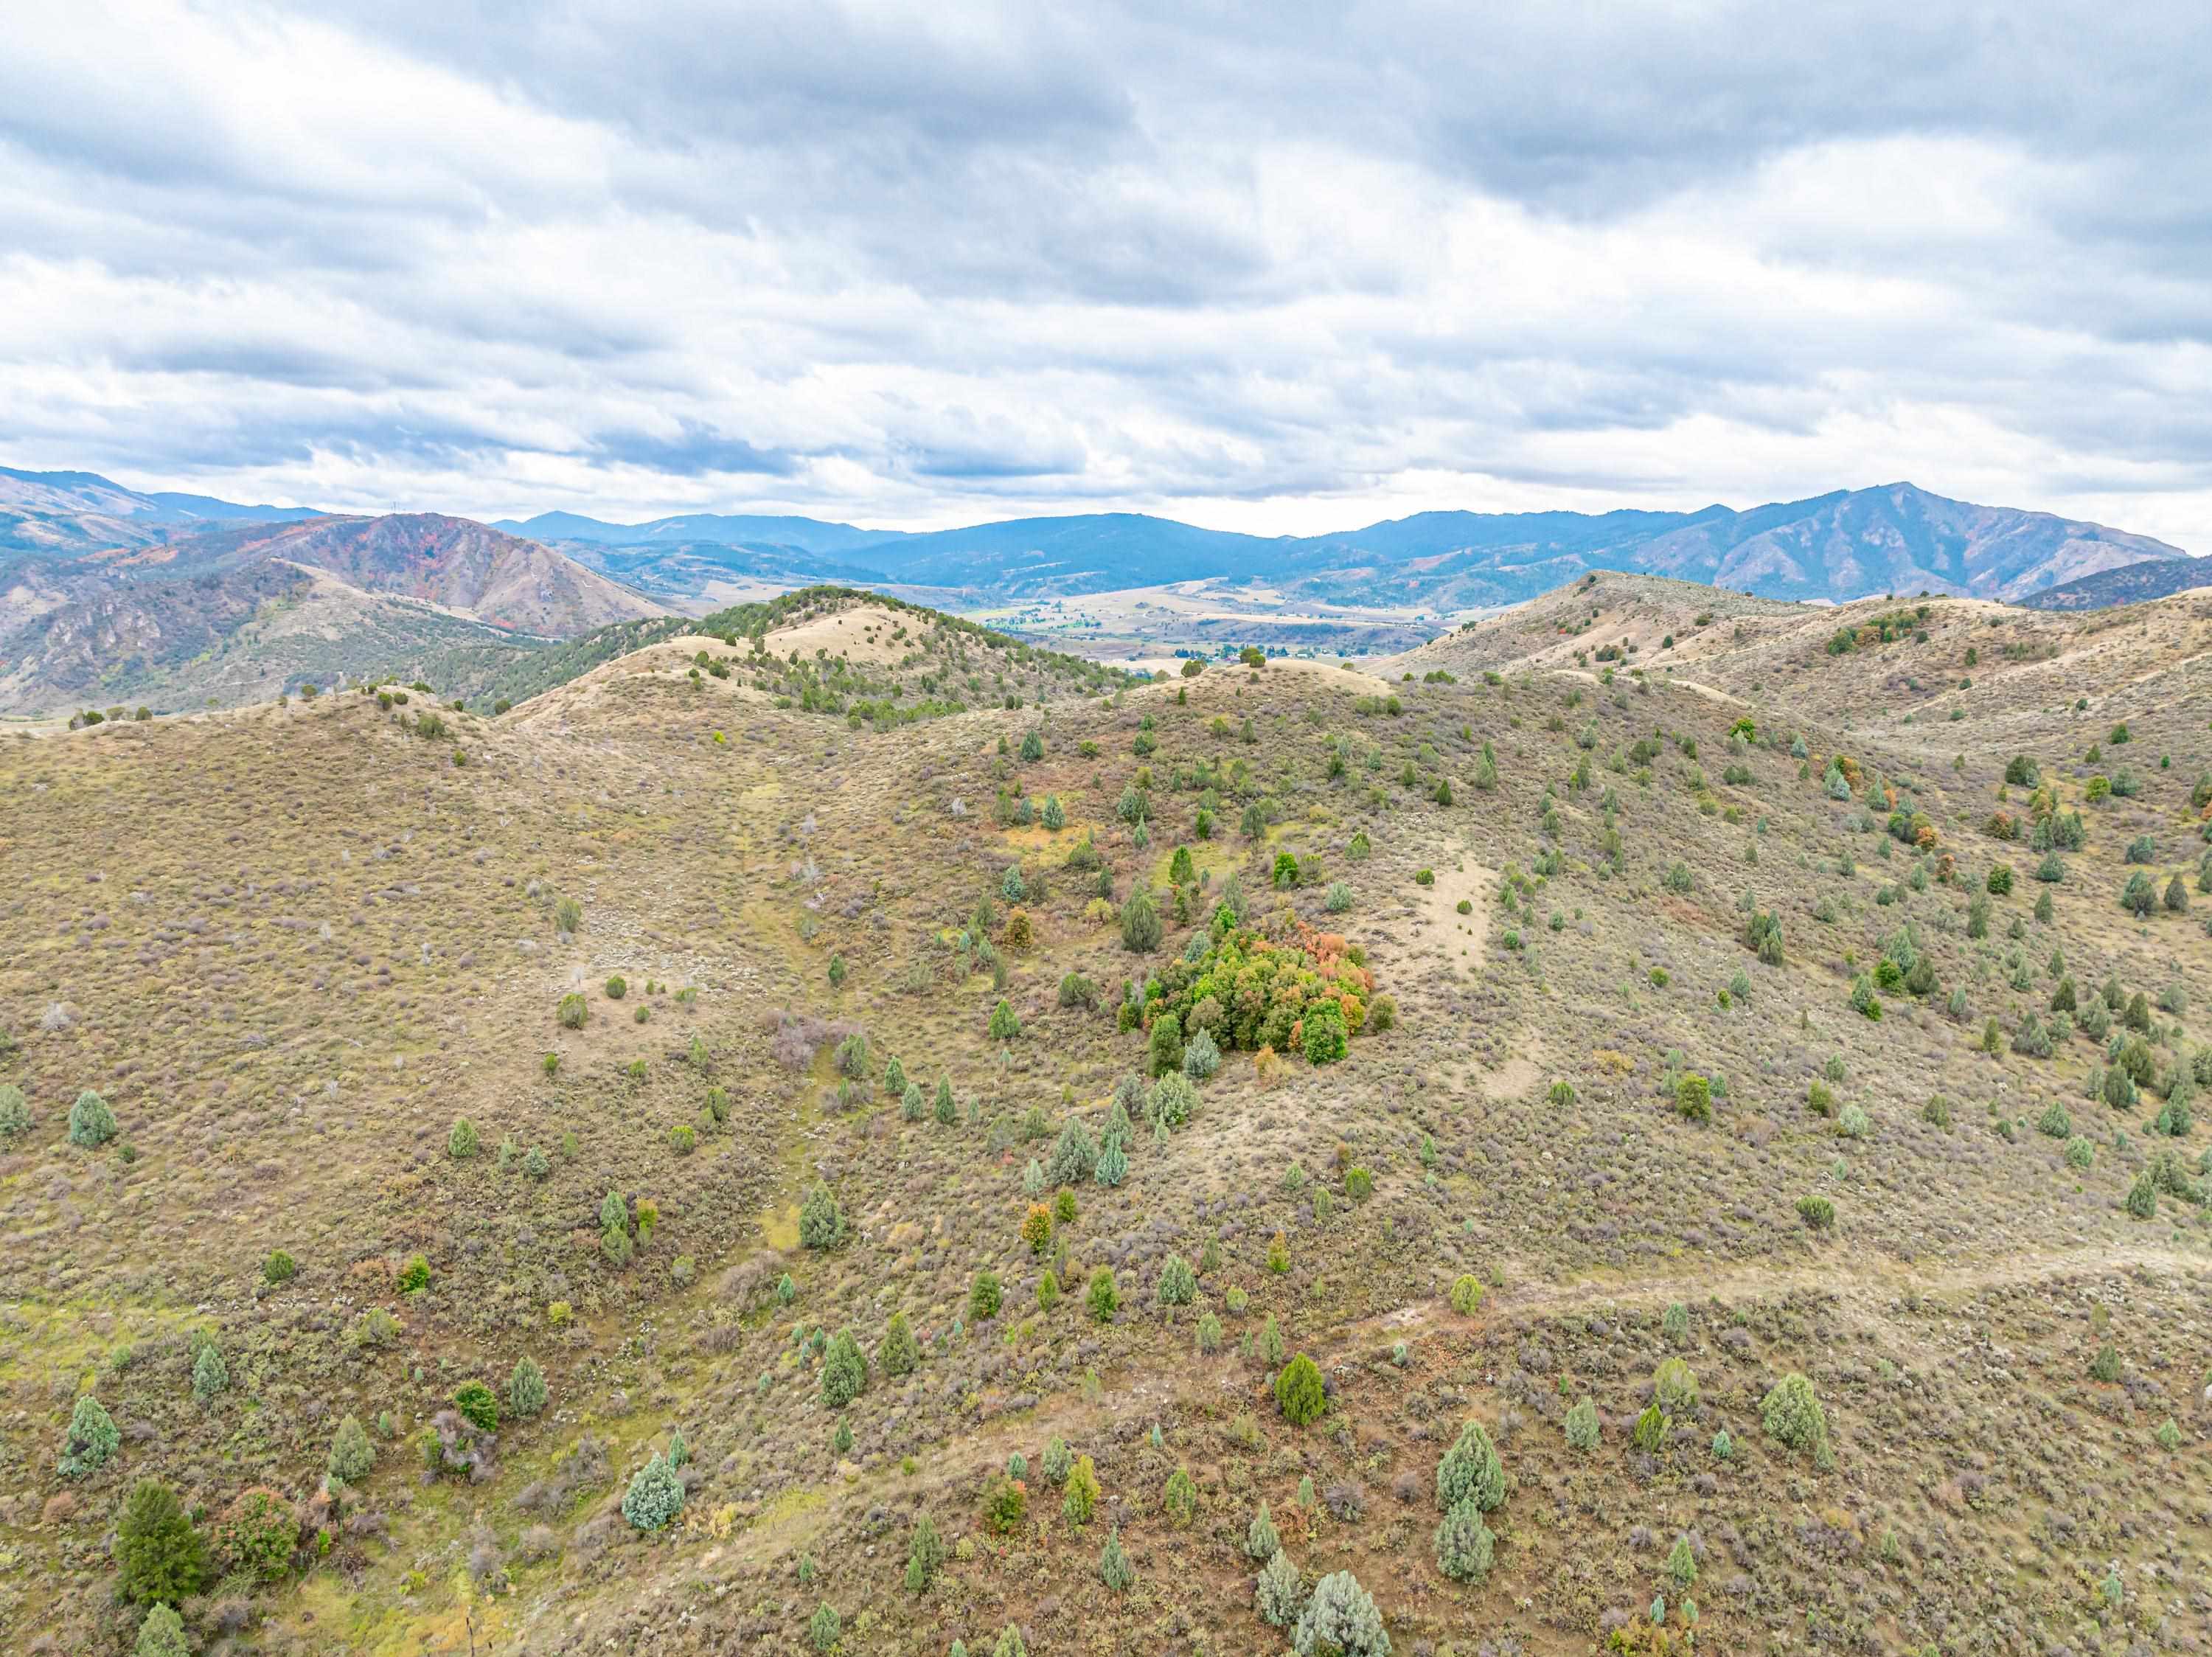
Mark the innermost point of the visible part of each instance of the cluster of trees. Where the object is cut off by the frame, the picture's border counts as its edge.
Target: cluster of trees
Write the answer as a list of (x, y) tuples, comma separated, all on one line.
[(1304, 991)]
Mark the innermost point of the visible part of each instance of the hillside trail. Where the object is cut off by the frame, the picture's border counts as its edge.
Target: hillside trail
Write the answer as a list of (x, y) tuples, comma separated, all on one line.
[(1870, 1284), (1711, 693)]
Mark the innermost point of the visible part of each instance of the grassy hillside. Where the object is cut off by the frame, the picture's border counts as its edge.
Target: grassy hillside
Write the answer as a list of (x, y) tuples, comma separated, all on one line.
[(902, 663), (1670, 1162)]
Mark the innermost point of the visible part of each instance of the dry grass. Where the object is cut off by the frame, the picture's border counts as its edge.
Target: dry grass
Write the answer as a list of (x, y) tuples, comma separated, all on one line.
[(169, 885)]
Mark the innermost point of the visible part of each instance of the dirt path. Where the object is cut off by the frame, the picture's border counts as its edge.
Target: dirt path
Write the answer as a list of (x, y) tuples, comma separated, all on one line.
[(1869, 1283), (1868, 1286), (1711, 693)]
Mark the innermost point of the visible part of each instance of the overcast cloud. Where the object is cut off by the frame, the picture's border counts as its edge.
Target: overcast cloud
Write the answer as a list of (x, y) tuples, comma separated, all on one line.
[(1278, 266)]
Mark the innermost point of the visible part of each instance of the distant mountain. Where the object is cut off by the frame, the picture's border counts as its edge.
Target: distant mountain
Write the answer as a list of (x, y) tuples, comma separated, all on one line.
[(456, 563), (172, 641), (808, 534), (1095, 552), (62, 514), (699, 574), (2129, 583), (1836, 547), (240, 612)]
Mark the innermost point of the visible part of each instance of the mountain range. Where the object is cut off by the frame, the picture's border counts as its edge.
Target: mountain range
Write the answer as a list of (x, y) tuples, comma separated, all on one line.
[(110, 594), (1832, 547)]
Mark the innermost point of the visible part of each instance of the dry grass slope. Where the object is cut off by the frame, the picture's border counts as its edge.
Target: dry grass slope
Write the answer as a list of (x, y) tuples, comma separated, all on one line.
[(292, 947)]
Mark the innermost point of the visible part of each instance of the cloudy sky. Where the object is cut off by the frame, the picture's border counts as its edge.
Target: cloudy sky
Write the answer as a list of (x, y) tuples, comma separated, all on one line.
[(1282, 266)]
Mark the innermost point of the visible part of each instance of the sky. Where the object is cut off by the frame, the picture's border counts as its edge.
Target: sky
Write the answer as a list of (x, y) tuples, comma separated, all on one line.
[(1280, 267)]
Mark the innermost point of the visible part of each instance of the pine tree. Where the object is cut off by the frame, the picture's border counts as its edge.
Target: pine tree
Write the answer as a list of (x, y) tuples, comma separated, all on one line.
[(900, 1351), (210, 1375), (159, 1555), (525, 1388), (352, 1453), (1471, 1471), (1260, 1538), (92, 1439), (655, 1494), (1114, 1567), (844, 1371)]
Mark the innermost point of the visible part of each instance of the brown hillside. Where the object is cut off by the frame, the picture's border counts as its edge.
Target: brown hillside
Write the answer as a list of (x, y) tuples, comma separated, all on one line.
[(1614, 1150)]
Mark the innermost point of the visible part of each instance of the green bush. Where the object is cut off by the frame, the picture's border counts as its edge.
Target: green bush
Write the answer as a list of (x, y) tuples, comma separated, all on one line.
[(984, 1297), (1581, 1425), (1323, 1032), (1791, 1412), (1179, 1500), (1102, 1299), (1140, 924), (161, 1634), (15, 1109), (1163, 1049), (821, 1221), (478, 1406), (2143, 1198), (1674, 1386), (91, 1123), (1299, 1394), (1005, 1504), (1817, 1212), (572, 1011), (1081, 1492), (1467, 1294)]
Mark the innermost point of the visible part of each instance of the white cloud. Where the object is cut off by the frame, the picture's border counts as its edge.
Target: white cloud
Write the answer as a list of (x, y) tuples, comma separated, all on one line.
[(1261, 267)]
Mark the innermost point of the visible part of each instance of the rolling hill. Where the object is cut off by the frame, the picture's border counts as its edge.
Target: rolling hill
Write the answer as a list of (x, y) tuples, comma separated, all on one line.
[(846, 1133), (240, 613), (2129, 583)]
